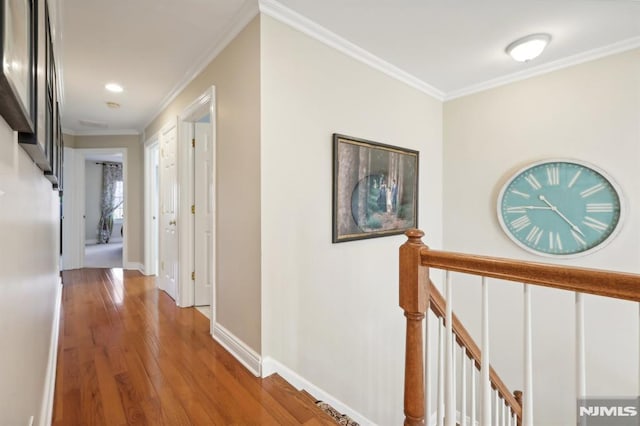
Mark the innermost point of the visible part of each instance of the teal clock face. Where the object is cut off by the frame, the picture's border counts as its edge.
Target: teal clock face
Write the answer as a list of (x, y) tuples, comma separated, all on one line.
[(560, 208)]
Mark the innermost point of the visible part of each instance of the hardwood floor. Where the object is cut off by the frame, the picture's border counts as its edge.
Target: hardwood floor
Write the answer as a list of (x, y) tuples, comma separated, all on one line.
[(128, 356)]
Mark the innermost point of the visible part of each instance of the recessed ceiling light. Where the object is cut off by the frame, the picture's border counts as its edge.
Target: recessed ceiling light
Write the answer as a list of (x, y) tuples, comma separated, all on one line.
[(113, 87), (529, 47)]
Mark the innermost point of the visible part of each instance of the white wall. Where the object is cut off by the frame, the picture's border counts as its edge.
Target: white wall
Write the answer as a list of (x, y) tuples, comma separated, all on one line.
[(29, 222), (93, 189), (330, 311), (590, 112)]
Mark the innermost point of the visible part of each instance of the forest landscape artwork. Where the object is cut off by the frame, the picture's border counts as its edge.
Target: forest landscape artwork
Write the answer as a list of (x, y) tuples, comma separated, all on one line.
[(375, 189)]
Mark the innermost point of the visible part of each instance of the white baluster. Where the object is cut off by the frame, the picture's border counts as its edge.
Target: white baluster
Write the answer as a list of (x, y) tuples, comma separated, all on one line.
[(509, 417), (463, 386), (503, 415), (428, 356), (473, 392), (485, 384), (496, 409), (450, 397), (527, 399), (440, 409), (581, 376)]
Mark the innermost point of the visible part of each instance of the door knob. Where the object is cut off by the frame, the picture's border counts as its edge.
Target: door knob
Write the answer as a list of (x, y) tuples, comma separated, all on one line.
[(172, 222)]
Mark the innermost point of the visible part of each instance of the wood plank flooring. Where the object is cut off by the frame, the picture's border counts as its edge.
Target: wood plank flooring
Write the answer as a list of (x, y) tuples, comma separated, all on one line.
[(128, 356)]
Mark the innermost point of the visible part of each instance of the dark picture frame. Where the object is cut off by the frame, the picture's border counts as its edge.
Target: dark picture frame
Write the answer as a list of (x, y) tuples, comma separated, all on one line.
[(35, 143), (375, 189), (16, 50)]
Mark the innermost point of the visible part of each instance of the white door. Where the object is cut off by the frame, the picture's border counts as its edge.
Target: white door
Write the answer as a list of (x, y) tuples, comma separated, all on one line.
[(155, 207), (204, 204), (168, 212)]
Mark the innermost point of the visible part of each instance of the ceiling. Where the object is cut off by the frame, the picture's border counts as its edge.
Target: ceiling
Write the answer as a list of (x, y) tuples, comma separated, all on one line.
[(153, 47)]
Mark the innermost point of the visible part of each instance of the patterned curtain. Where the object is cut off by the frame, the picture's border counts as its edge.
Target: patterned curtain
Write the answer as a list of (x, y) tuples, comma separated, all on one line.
[(111, 173)]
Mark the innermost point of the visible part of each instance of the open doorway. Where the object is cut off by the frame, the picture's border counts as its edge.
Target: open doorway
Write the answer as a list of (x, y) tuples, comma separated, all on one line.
[(104, 211), (197, 146)]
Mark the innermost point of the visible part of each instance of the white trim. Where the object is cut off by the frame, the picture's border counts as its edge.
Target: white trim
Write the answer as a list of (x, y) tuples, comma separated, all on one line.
[(185, 292), (241, 19), (80, 190), (271, 366), (103, 132), (295, 20), (134, 266), (240, 350), (153, 143), (90, 241), (569, 61), (201, 106), (46, 411)]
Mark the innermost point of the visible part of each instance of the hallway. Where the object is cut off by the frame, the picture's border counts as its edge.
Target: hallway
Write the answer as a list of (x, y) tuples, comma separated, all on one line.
[(128, 355)]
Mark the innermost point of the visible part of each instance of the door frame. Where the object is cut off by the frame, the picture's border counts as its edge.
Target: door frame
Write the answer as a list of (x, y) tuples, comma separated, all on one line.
[(151, 186), (80, 157), (201, 106)]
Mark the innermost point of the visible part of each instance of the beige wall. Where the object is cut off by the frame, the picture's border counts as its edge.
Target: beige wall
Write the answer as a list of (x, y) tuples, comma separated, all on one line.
[(589, 112), (236, 75), (330, 311), (29, 223), (134, 222)]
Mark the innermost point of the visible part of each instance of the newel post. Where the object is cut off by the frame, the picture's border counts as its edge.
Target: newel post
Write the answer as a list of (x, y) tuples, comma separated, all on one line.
[(414, 300)]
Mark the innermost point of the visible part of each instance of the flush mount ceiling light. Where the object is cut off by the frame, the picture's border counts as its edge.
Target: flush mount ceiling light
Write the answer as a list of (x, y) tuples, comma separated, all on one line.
[(113, 105), (113, 87), (529, 47)]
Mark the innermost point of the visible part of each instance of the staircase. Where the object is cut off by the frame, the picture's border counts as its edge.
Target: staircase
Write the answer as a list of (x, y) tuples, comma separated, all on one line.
[(464, 389), (298, 403)]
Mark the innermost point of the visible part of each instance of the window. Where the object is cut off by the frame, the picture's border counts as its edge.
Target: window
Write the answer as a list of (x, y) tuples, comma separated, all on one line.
[(118, 201)]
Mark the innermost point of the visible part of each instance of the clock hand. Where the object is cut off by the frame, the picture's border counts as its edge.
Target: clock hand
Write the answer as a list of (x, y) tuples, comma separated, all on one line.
[(520, 209), (555, 209)]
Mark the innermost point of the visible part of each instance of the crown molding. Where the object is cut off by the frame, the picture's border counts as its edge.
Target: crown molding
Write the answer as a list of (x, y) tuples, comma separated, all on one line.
[(102, 132), (241, 19), (569, 61), (287, 16)]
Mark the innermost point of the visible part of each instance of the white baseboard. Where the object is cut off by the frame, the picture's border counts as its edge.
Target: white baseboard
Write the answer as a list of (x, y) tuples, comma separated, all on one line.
[(271, 366), (90, 242), (136, 266), (46, 411), (236, 347)]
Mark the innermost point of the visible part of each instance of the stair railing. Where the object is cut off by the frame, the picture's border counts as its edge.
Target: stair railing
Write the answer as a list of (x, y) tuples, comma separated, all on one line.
[(418, 295)]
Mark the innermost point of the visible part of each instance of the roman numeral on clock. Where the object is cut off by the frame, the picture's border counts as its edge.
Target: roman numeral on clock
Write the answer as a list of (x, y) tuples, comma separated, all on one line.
[(520, 223), (595, 224), (534, 235), (590, 191), (533, 181), (578, 238), (553, 175), (599, 207), (554, 241)]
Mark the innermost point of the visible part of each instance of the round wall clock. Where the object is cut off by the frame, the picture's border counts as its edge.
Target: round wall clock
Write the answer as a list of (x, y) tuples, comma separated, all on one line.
[(560, 208)]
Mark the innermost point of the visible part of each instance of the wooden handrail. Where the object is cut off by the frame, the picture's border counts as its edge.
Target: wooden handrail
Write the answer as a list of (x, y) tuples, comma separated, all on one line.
[(583, 280), (417, 293), (438, 306)]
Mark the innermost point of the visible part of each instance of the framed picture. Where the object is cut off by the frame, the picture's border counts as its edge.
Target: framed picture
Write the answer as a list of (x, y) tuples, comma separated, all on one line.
[(35, 142), (16, 76), (375, 189)]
